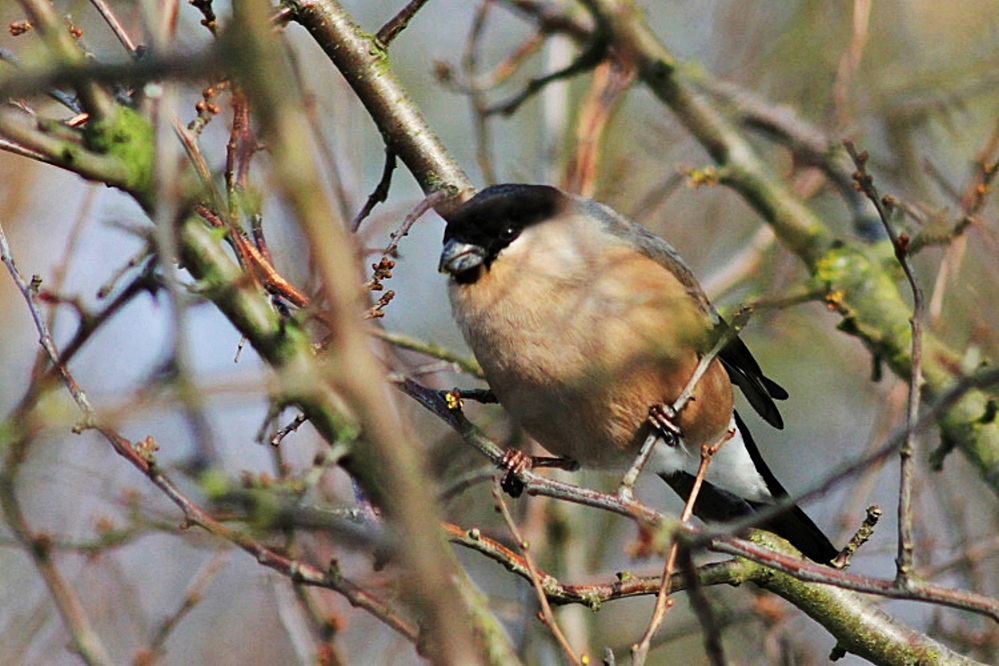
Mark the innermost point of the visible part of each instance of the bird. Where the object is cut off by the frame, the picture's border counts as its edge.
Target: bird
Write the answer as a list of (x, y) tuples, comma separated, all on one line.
[(583, 321)]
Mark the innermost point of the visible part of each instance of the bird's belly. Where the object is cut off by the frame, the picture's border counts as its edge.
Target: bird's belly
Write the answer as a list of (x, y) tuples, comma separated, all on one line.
[(598, 415), (595, 426)]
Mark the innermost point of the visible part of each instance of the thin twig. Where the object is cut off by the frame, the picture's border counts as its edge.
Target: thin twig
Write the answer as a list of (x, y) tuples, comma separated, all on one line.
[(640, 652), (380, 193), (398, 23), (595, 51), (860, 537), (427, 203), (465, 481), (546, 610), (284, 431), (116, 27), (884, 206), (626, 488), (30, 294), (701, 606)]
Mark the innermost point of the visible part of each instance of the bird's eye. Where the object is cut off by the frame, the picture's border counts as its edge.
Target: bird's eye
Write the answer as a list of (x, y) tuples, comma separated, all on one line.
[(508, 233)]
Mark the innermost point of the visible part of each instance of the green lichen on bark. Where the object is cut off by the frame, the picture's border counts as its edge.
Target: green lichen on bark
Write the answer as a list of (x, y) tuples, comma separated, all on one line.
[(129, 137)]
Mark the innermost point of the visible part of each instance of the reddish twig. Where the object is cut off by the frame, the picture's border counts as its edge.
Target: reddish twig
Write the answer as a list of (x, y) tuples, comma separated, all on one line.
[(611, 79), (253, 259)]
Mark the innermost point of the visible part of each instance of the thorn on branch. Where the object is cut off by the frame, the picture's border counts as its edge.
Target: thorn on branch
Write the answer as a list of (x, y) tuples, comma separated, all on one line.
[(381, 191)]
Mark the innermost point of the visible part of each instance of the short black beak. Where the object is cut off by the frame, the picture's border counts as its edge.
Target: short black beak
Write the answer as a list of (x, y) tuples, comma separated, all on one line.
[(458, 258)]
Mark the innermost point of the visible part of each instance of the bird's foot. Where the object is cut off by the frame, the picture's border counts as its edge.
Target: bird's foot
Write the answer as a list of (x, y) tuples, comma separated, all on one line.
[(663, 418), (516, 461)]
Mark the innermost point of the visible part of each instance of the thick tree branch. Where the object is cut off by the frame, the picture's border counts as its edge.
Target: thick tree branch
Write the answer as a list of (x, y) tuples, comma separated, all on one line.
[(364, 65)]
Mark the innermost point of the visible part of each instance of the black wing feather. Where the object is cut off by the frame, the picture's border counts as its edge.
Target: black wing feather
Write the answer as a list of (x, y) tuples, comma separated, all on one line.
[(745, 372)]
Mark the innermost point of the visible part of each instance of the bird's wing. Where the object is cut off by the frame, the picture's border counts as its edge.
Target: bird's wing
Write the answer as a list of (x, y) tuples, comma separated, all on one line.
[(744, 371)]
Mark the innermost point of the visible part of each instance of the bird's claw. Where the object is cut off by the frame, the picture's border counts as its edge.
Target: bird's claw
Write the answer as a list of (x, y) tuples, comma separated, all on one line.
[(663, 418), (516, 461)]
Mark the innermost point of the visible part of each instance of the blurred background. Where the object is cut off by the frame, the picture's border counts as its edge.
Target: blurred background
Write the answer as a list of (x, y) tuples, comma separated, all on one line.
[(914, 82)]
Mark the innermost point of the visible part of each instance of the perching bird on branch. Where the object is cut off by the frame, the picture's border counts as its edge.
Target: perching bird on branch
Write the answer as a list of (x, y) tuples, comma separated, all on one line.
[(583, 321)]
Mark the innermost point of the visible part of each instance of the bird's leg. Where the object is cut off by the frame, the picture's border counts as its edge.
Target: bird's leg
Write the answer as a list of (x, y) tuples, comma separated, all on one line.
[(516, 461), (662, 418)]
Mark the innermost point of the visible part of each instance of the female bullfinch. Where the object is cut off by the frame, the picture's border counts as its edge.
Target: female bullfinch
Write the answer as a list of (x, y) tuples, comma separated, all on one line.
[(582, 321)]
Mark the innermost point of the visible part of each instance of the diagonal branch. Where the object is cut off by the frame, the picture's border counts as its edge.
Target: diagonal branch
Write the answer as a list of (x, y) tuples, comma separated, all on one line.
[(363, 62)]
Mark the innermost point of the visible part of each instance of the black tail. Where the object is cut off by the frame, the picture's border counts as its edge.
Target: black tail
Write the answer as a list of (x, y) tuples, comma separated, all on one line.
[(715, 504)]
